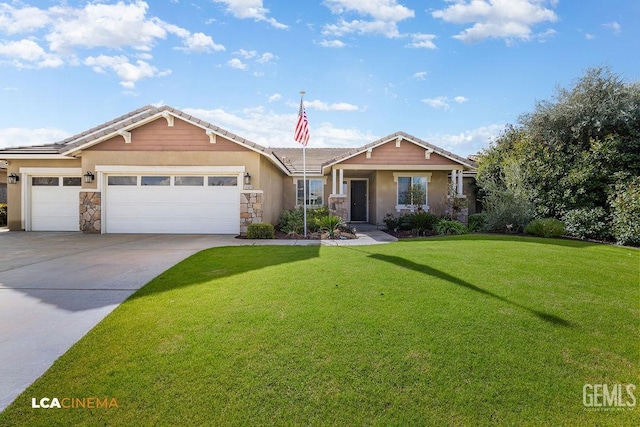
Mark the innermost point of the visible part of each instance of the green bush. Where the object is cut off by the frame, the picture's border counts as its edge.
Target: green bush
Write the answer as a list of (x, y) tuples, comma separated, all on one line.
[(292, 221), (545, 227), (260, 230), (587, 223), (400, 222), (330, 224), (449, 226), (625, 213), (3, 214), (422, 222), (477, 222)]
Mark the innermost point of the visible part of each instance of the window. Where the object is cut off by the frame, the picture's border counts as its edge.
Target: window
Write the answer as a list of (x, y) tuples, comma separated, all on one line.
[(72, 181), (412, 191), (314, 192), (42, 181), (122, 180), (223, 181), (190, 181), (155, 180)]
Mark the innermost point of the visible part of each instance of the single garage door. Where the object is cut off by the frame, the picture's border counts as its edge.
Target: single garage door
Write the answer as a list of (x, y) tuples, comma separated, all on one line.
[(55, 203), (172, 204)]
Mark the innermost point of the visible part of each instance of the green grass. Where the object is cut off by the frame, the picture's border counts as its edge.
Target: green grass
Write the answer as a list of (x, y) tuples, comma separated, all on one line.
[(466, 330)]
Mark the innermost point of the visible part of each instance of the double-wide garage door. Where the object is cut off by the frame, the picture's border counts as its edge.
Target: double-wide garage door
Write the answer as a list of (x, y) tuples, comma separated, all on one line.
[(192, 204)]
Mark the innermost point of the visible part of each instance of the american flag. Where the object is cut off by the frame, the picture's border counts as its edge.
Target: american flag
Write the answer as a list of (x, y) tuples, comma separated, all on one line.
[(302, 127)]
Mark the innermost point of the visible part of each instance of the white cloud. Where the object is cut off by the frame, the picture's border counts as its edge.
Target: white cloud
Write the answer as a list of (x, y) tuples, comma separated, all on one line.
[(266, 57), (460, 99), (275, 97), (128, 73), (323, 106), (29, 54), (467, 142), (439, 102), (246, 54), (18, 137), (271, 129), (250, 9), (589, 36), (201, 43), (503, 19), (27, 19), (71, 31), (613, 26), (420, 75), (237, 64), (422, 41), (332, 43), (383, 17)]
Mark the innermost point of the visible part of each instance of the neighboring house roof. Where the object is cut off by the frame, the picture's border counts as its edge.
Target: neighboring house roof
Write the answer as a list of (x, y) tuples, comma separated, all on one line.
[(289, 160), (315, 158)]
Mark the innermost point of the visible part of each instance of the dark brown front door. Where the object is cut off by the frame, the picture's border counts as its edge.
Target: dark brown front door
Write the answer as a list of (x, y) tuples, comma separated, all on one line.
[(358, 200)]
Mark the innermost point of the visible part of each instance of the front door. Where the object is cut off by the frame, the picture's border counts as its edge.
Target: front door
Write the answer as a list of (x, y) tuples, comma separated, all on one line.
[(359, 200)]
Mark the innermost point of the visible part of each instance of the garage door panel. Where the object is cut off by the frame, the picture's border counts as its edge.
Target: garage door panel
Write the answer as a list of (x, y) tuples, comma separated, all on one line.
[(173, 209), (55, 208)]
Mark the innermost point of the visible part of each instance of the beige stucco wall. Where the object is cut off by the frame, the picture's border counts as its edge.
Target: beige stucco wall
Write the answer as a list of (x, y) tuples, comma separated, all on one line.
[(251, 160), (14, 196), (3, 176), (383, 196), (271, 184)]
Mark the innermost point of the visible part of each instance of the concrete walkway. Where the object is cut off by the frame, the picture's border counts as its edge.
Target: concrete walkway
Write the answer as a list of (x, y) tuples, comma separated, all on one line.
[(55, 287)]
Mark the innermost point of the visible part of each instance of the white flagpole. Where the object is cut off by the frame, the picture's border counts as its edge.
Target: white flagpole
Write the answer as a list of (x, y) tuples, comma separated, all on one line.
[(304, 177)]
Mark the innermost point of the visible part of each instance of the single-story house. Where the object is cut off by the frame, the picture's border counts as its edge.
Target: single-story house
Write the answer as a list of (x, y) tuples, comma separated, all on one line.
[(160, 170)]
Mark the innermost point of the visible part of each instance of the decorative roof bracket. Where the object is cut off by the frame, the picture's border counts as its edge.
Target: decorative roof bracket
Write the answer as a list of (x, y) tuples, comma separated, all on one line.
[(212, 136), (169, 118), (126, 135)]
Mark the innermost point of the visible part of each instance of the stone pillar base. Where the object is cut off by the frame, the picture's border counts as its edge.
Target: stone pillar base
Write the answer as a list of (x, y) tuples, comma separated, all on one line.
[(338, 206), (90, 212), (250, 209)]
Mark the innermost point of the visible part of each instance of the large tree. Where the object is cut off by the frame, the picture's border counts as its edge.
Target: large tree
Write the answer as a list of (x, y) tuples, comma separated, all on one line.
[(573, 149)]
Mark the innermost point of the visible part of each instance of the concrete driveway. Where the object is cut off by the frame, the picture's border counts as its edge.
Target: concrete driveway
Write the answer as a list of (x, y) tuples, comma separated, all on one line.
[(55, 287)]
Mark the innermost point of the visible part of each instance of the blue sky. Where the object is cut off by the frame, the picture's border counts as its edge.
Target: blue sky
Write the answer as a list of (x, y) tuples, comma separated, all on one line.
[(452, 72)]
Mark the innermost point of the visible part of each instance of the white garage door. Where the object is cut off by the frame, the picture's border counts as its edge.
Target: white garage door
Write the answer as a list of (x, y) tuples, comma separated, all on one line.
[(55, 203), (172, 204)]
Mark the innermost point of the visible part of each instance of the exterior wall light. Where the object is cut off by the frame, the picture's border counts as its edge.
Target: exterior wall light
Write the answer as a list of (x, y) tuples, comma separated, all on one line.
[(12, 178), (247, 179), (88, 177)]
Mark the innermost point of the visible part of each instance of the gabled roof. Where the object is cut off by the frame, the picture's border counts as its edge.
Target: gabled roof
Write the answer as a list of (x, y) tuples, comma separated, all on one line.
[(404, 137)]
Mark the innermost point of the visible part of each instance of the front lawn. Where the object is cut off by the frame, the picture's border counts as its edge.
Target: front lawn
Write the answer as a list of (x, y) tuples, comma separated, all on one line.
[(468, 330)]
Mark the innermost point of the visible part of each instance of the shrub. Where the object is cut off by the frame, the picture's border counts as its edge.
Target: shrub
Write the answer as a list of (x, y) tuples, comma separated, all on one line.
[(448, 226), (260, 230), (421, 221), (587, 223), (292, 221), (3, 214), (391, 222), (330, 224), (477, 222), (545, 227), (625, 212)]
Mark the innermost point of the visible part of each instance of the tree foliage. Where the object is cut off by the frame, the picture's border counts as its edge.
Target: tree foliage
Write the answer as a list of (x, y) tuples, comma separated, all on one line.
[(573, 150)]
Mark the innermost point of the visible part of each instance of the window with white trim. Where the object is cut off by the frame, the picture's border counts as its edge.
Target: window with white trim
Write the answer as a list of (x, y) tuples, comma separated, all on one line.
[(315, 191), (411, 191)]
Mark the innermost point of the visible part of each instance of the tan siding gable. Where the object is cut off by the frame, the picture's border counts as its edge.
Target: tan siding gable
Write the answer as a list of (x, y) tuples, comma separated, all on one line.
[(407, 154), (158, 136)]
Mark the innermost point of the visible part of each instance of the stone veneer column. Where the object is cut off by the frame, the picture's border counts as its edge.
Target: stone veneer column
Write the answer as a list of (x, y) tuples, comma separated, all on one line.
[(250, 209), (90, 211), (338, 206)]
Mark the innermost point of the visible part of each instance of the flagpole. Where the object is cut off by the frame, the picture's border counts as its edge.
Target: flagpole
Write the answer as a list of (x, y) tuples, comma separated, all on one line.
[(304, 177)]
